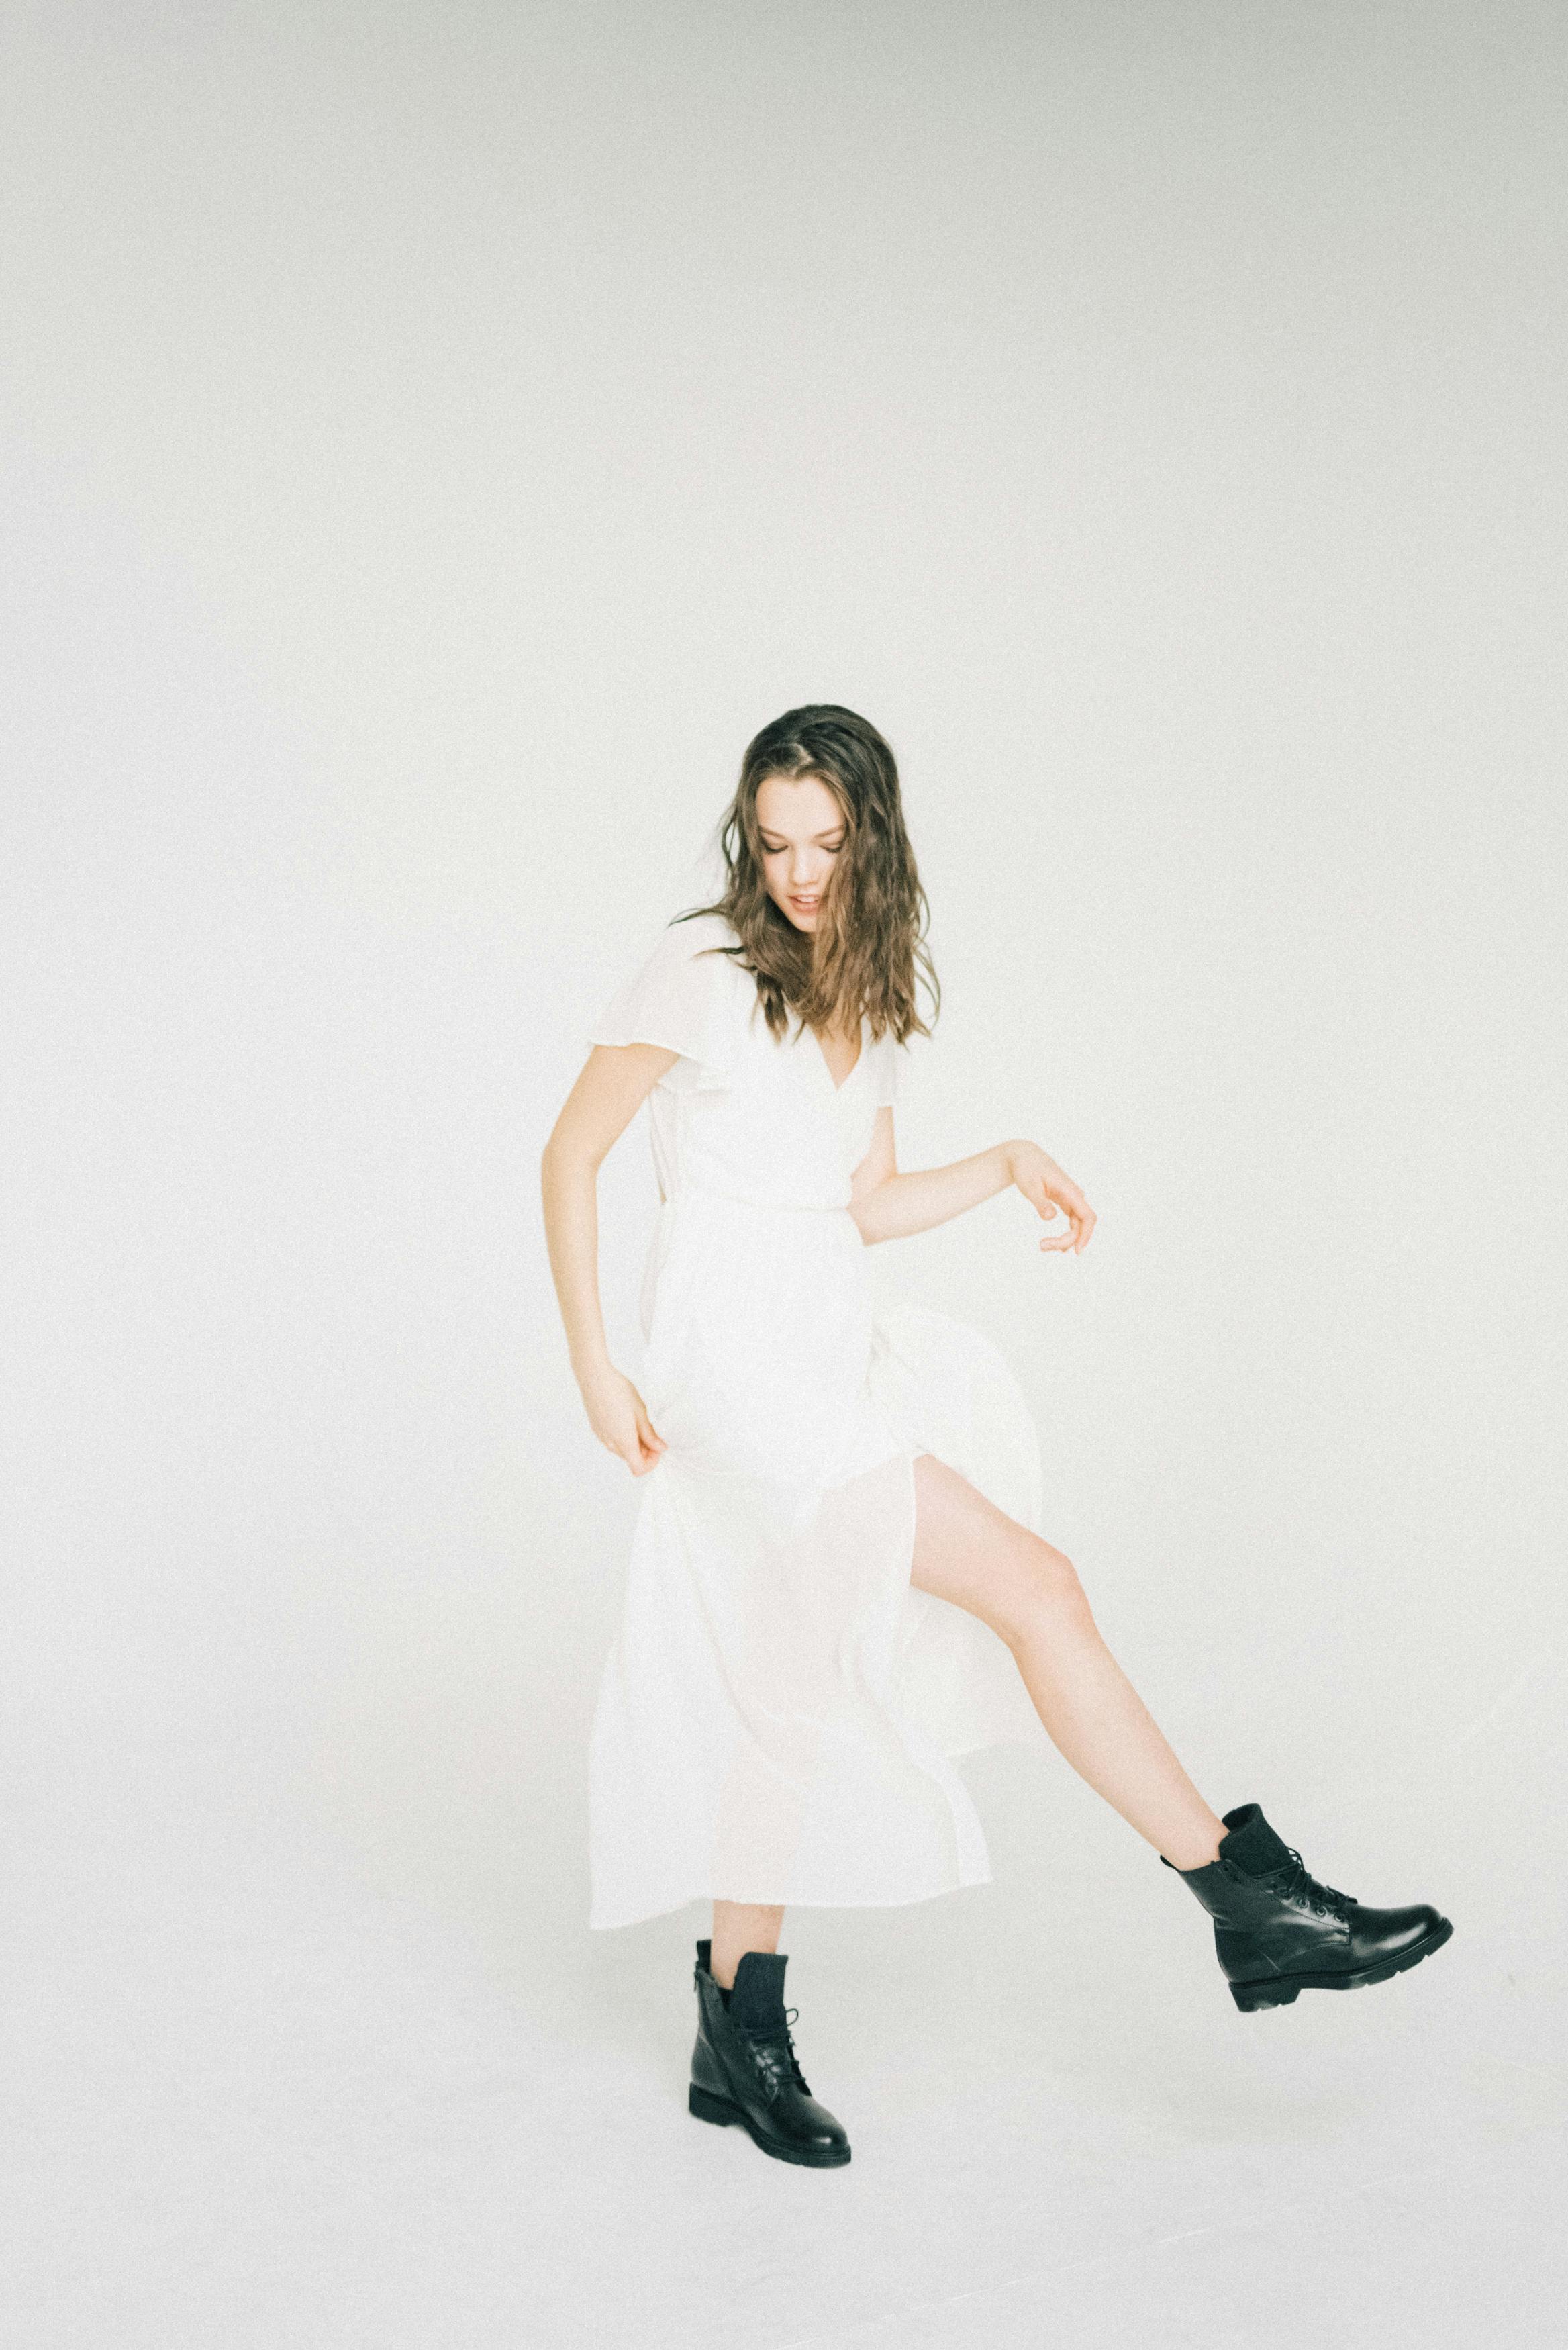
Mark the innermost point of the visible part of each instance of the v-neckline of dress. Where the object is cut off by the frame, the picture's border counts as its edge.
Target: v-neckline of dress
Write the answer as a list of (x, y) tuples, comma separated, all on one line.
[(849, 1079)]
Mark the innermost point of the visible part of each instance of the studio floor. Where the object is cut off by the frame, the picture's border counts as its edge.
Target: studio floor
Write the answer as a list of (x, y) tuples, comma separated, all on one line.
[(271, 2082)]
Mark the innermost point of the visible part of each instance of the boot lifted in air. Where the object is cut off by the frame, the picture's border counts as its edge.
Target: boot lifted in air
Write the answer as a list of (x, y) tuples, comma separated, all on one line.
[(1278, 1931)]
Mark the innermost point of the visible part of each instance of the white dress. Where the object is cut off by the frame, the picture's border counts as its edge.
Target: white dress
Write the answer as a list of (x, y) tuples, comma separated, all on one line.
[(779, 1707)]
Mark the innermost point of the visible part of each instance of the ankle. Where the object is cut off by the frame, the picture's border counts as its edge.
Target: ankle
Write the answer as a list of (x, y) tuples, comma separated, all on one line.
[(1196, 1849), (725, 1970)]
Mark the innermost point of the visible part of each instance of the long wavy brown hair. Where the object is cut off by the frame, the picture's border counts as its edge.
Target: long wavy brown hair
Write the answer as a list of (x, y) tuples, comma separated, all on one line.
[(859, 962)]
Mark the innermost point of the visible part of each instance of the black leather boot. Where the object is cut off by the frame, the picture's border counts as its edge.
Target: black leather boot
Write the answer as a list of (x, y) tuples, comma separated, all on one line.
[(744, 2068), (1278, 1931)]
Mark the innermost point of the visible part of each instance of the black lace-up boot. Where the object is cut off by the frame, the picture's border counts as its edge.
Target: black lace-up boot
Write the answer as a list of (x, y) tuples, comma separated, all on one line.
[(1278, 1931), (744, 2068)]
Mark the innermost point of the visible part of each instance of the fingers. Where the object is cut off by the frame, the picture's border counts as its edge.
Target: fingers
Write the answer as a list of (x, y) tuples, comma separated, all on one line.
[(1081, 1219), (650, 1445), (645, 1451)]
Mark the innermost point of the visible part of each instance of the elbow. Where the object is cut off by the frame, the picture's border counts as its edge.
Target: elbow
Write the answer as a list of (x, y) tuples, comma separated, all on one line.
[(868, 1208), (863, 1216), (561, 1157)]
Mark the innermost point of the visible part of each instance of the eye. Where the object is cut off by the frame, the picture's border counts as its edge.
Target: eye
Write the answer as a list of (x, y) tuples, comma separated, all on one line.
[(833, 848)]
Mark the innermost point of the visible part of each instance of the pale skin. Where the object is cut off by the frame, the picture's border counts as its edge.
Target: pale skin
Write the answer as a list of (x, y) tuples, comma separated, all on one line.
[(966, 1550)]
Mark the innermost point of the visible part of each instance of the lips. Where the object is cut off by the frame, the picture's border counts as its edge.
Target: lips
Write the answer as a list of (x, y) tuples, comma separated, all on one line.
[(806, 905)]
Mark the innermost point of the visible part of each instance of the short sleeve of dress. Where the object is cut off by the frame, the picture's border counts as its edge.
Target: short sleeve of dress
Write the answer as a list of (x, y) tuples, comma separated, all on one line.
[(691, 1001)]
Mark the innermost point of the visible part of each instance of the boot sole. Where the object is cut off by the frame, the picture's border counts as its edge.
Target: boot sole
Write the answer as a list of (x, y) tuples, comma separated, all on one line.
[(710, 2108), (1281, 1989)]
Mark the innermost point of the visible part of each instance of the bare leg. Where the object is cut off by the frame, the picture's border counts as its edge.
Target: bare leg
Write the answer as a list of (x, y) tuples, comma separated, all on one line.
[(972, 1554), (739, 1926)]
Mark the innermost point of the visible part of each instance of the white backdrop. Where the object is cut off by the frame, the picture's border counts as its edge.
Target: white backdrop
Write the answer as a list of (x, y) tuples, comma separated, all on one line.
[(435, 440)]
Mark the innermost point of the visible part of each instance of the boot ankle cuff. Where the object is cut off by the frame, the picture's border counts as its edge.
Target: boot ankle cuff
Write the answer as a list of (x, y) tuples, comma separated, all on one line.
[(1252, 1845)]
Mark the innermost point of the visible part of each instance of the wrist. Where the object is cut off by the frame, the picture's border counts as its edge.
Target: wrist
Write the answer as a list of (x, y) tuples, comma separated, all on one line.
[(588, 1362)]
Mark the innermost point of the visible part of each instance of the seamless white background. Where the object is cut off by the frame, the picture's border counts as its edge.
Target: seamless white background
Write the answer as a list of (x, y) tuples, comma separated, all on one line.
[(434, 441)]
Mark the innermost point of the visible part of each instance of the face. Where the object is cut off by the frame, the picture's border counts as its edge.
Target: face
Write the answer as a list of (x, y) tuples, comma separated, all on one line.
[(802, 830)]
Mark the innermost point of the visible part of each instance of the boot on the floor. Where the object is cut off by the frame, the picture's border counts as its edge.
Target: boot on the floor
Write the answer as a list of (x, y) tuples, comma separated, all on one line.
[(744, 2068), (1279, 1931)]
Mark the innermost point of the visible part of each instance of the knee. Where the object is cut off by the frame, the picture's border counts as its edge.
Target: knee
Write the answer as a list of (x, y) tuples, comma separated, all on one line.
[(1045, 1594)]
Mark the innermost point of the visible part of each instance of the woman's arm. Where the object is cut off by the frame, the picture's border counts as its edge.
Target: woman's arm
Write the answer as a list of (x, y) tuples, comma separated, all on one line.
[(888, 1206), (615, 1080)]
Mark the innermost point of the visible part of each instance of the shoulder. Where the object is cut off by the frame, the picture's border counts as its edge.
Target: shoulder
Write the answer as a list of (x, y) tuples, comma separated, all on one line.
[(706, 951), (687, 996), (689, 935), (681, 947)]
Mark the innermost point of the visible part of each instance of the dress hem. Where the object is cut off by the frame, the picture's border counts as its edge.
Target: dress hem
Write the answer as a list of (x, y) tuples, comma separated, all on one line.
[(897, 1901)]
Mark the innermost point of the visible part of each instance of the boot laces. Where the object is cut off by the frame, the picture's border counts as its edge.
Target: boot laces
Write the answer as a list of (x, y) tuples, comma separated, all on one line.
[(775, 2051), (1297, 1883)]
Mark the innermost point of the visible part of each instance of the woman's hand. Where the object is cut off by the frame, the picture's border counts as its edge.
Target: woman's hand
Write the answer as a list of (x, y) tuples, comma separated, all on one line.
[(619, 1417), (1045, 1186)]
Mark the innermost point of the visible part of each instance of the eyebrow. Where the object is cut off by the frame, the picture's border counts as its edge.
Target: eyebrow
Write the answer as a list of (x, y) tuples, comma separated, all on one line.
[(765, 828)]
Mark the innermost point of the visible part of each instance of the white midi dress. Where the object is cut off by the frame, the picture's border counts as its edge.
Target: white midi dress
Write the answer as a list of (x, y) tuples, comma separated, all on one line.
[(779, 1709)]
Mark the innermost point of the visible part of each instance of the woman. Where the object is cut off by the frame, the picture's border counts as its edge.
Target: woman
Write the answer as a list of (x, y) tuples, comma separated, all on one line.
[(838, 1580)]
